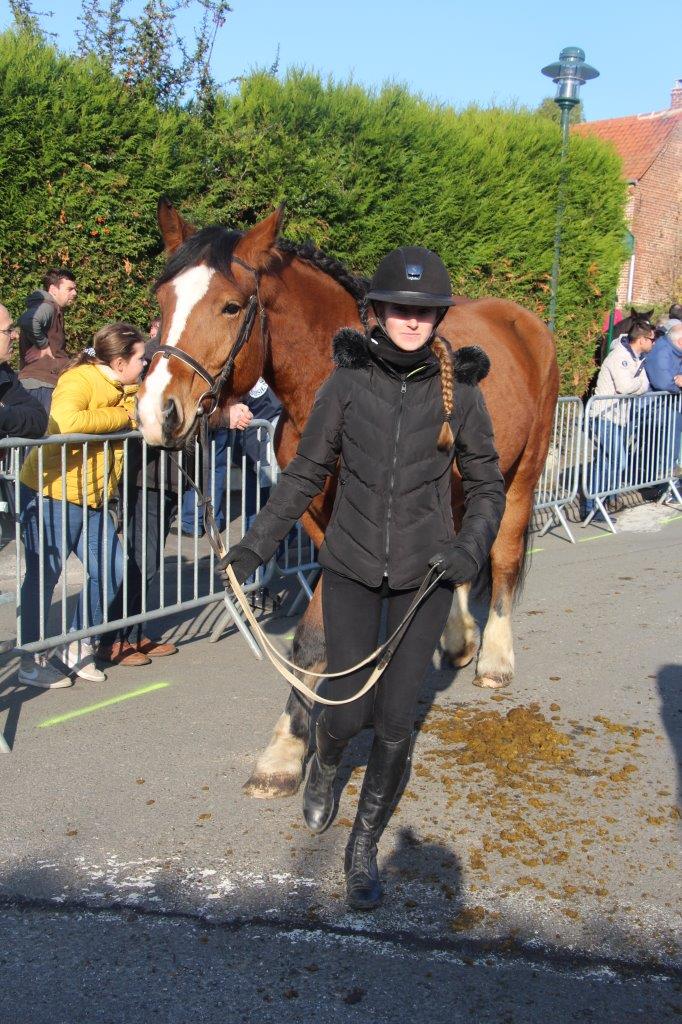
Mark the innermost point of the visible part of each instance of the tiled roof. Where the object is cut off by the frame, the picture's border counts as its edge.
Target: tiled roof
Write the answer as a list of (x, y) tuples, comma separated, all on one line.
[(638, 139)]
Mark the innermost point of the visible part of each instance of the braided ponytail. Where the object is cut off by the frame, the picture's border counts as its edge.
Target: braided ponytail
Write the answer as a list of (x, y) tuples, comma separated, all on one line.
[(447, 383)]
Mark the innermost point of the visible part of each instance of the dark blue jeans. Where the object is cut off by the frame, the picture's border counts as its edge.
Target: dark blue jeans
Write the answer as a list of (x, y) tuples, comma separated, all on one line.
[(609, 458), (99, 554)]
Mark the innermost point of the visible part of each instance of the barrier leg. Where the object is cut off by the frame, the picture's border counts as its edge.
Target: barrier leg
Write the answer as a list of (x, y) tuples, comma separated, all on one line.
[(672, 493), (557, 516), (232, 613), (4, 748), (599, 503), (304, 592)]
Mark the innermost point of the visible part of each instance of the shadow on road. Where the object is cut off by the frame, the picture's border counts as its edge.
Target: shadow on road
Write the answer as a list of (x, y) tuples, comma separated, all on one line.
[(669, 681)]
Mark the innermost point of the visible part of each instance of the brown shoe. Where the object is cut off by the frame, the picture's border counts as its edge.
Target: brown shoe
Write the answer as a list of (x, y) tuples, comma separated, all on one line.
[(155, 648), (123, 653)]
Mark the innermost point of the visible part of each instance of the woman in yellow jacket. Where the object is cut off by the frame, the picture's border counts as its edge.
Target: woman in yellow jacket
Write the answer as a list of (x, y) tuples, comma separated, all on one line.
[(95, 395)]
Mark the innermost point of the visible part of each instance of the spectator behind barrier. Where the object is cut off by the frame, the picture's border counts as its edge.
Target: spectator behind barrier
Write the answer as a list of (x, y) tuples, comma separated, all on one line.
[(622, 373), (95, 396), (42, 342), (664, 364), (147, 533), (21, 414)]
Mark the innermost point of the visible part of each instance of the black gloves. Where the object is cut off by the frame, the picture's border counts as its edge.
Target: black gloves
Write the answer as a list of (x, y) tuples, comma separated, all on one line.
[(456, 563), (243, 560)]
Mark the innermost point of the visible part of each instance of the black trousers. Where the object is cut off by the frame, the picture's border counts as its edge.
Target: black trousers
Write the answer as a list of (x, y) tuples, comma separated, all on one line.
[(142, 533), (352, 622)]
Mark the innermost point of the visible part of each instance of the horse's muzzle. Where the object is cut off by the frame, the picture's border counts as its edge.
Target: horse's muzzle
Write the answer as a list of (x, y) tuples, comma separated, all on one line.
[(170, 421)]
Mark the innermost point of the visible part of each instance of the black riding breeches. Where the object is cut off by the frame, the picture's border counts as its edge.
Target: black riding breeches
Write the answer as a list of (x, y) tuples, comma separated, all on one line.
[(352, 621)]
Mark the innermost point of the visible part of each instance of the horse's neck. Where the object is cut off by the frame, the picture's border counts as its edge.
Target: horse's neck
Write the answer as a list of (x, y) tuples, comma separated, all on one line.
[(309, 308)]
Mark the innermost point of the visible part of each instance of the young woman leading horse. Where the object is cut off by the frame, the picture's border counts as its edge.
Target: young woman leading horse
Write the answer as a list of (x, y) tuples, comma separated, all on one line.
[(393, 415), (211, 281)]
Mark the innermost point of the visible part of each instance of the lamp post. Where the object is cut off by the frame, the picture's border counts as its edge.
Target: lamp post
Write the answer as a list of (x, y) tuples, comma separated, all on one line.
[(569, 73)]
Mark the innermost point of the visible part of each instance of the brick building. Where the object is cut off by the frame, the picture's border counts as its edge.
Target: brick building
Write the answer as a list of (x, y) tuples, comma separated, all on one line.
[(650, 146)]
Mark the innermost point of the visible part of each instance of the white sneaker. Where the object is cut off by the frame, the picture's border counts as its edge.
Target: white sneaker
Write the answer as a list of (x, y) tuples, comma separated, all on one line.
[(79, 655), (37, 671)]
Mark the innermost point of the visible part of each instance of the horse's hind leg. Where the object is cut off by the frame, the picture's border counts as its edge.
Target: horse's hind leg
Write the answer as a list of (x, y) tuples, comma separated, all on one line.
[(460, 637), (279, 769)]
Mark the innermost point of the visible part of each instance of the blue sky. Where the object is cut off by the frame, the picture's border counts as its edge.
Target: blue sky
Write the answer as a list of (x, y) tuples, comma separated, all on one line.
[(457, 53)]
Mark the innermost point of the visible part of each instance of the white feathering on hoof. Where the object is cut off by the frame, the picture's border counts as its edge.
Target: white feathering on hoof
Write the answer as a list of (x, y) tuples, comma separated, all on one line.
[(279, 769), (460, 637), (495, 668)]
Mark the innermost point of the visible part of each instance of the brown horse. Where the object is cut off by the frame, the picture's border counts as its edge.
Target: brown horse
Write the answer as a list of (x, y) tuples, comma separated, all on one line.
[(304, 297)]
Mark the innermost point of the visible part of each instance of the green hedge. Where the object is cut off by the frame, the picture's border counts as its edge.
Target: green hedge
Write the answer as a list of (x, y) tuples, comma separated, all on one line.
[(84, 158)]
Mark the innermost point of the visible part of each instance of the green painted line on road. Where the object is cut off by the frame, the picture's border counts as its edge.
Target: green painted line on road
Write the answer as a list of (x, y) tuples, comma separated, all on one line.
[(534, 551), (599, 536), (670, 519), (58, 719)]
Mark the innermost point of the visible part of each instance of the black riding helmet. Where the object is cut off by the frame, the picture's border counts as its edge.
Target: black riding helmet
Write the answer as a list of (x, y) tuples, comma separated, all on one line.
[(411, 276)]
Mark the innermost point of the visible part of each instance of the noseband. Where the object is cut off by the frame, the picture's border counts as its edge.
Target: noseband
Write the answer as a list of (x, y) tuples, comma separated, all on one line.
[(216, 384)]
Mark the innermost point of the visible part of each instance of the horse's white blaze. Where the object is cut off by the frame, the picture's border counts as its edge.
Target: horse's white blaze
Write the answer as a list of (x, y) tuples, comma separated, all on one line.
[(496, 660), (190, 287)]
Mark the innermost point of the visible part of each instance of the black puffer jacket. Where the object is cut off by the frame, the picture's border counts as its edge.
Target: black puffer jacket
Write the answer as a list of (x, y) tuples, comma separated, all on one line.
[(392, 510)]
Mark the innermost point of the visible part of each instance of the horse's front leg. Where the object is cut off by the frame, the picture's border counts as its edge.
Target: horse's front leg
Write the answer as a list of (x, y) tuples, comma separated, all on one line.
[(279, 769), (460, 637), (495, 666)]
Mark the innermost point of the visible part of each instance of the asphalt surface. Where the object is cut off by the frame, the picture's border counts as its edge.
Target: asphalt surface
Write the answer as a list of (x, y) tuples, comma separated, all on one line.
[(531, 868)]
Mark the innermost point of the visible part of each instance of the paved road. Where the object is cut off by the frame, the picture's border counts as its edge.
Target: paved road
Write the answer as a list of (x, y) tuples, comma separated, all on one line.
[(531, 868)]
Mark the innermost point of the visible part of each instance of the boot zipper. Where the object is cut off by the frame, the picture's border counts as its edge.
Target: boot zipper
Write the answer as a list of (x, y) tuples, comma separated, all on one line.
[(403, 389)]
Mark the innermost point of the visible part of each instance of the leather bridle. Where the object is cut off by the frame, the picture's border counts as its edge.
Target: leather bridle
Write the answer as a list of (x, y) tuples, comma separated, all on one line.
[(216, 384)]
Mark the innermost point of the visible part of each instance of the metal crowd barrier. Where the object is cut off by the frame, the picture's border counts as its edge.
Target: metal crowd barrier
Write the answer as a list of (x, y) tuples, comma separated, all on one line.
[(156, 487), (618, 444), (560, 479), (631, 442)]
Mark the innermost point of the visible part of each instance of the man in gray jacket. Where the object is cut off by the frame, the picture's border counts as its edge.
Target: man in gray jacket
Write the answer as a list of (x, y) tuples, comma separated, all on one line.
[(42, 342), (622, 373)]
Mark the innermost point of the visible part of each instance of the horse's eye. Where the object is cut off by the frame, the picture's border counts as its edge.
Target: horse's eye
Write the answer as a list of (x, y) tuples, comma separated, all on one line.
[(231, 308)]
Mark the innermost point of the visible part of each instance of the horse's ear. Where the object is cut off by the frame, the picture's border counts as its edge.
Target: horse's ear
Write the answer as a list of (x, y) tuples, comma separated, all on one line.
[(174, 230), (257, 245)]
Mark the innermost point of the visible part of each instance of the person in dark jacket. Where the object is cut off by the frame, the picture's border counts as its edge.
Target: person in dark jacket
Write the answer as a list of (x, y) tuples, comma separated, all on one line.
[(21, 414), (393, 416), (42, 342)]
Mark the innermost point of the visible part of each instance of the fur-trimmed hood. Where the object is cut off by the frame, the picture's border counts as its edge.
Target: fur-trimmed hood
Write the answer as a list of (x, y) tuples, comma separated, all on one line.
[(471, 364)]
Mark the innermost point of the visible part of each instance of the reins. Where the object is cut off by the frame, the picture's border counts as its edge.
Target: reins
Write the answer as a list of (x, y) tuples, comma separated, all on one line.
[(384, 652)]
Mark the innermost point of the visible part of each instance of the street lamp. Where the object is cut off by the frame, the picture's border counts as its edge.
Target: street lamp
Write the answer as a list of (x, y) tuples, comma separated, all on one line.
[(569, 73)]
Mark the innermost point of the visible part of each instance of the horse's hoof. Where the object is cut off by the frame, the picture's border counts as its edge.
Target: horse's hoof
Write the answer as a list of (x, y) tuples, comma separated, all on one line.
[(493, 681), (272, 787), (463, 657)]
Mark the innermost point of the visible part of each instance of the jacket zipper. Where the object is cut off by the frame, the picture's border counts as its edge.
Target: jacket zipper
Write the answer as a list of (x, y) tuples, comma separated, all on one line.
[(403, 389)]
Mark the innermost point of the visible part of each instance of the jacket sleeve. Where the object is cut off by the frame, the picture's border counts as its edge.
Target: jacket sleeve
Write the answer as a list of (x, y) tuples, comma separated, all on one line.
[(661, 368), (482, 481), (70, 412), (21, 414), (304, 477), (35, 324)]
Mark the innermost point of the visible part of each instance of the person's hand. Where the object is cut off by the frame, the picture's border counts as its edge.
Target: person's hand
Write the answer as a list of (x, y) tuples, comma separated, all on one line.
[(678, 379), (456, 563), (240, 416), (32, 354), (243, 560)]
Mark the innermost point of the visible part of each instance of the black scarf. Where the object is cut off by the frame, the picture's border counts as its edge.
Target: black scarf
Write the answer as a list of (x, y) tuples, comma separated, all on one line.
[(381, 347)]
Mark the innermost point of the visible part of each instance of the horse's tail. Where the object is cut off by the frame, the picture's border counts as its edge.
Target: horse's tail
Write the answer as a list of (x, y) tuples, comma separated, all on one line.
[(525, 563)]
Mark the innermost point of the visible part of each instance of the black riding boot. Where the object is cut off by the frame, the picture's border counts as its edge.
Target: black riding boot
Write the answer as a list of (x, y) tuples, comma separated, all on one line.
[(383, 778), (318, 795)]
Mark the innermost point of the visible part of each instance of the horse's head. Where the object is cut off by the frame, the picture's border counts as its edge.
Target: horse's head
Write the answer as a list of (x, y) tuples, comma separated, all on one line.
[(211, 310), (640, 319)]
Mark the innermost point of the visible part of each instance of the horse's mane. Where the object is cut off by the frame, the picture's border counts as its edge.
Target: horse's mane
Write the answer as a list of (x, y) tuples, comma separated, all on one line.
[(215, 247), (308, 251)]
